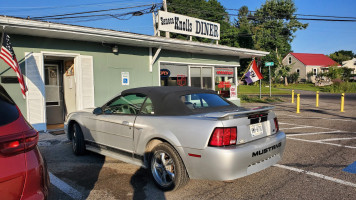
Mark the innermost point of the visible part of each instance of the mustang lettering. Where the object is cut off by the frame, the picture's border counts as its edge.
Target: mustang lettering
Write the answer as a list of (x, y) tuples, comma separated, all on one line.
[(263, 151)]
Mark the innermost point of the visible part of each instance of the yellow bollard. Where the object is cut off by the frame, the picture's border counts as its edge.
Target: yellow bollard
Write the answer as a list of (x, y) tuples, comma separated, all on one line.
[(317, 99), (298, 103), (292, 96), (342, 102)]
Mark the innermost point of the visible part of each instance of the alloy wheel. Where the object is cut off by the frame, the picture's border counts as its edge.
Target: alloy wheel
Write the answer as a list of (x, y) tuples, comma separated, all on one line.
[(163, 168)]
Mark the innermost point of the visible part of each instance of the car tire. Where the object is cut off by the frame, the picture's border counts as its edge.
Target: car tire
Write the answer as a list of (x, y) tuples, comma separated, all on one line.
[(78, 144), (169, 174)]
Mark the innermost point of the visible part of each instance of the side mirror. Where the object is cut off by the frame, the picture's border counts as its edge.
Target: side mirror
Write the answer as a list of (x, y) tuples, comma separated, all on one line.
[(98, 111)]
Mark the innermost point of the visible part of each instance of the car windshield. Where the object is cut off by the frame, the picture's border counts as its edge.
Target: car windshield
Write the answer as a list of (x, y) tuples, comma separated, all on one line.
[(203, 100), (8, 110)]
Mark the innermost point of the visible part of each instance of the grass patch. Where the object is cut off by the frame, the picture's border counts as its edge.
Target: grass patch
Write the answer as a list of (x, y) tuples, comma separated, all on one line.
[(251, 89), (299, 86), (255, 99), (347, 87)]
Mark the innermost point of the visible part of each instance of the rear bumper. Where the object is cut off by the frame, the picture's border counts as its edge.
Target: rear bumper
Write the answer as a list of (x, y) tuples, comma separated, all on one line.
[(229, 163)]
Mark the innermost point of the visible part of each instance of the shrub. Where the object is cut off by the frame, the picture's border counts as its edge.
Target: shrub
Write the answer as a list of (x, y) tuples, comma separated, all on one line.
[(339, 86), (293, 77), (337, 81)]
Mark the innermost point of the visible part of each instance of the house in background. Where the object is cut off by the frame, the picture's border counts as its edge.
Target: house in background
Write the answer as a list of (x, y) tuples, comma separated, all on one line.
[(303, 63), (350, 64)]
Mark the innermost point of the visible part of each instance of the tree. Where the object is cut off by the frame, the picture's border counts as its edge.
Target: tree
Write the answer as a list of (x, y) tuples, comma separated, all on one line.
[(334, 73), (273, 27), (346, 73), (282, 70), (320, 76), (342, 55), (244, 37), (293, 77), (210, 10)]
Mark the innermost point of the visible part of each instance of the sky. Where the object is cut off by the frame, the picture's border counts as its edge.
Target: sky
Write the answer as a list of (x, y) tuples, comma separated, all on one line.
[(320, 36)]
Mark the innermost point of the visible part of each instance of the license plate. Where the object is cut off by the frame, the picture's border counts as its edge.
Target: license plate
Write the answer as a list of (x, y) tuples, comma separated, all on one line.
[(256, 129)]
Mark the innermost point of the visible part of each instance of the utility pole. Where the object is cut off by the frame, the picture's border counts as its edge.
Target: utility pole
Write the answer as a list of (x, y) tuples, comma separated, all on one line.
[(154, 24), (165, 9)]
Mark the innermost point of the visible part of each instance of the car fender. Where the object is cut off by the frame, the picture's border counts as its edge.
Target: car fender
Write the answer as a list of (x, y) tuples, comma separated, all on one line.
[(74, 118), (168, 137), (163, 135)]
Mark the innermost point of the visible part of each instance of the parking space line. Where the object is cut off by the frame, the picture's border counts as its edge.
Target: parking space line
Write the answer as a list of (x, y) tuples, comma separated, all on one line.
[(286, 123), (298, 127), (315, 133), (346, 120), (317, 175), (336, 139), (303, 126), (318, 142), (64, 187)]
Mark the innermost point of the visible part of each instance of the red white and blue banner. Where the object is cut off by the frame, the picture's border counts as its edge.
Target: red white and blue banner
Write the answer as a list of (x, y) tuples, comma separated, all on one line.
[(8, 55), (253, 73)]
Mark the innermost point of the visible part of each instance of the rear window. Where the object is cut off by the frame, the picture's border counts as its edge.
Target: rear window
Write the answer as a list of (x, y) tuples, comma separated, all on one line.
[(203, 100), (8, 110)]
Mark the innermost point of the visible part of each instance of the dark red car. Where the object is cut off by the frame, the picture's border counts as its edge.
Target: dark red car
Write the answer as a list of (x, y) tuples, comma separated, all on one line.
[(23, 172)]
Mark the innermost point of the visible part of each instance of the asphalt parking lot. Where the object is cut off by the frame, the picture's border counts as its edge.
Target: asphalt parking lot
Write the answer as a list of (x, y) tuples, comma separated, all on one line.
[(319, 163)]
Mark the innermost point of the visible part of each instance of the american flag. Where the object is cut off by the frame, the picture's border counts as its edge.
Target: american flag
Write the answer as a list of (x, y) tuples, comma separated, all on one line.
[(8, 55)]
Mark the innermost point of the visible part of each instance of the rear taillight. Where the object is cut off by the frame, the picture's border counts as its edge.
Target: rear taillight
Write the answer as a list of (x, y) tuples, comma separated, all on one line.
[(276, 124), (18, 143), (223, 137)]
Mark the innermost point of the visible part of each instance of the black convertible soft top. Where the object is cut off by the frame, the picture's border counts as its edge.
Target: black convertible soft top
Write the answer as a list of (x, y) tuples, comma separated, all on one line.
[(166, 99)]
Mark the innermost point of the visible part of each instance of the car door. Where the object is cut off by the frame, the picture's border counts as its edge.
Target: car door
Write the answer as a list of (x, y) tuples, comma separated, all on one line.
[(114, 128)]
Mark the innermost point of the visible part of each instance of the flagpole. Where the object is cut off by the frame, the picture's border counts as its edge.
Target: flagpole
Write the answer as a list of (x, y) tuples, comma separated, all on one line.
[(260, 79), (238, 84), (247, 69), (2, 35)]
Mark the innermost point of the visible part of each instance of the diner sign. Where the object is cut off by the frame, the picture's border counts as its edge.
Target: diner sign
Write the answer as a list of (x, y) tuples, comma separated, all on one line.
[(181, 24)]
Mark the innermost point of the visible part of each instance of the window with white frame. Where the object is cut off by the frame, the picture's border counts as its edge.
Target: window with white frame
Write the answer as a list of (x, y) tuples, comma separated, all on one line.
[(298, 71), (290, 60), (315, 71)]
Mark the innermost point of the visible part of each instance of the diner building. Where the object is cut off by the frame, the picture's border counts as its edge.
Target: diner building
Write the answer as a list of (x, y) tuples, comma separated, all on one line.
[(69, 68)]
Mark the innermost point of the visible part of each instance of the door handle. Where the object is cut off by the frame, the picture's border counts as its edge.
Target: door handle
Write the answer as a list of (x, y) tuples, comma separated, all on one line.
[(126, 123)]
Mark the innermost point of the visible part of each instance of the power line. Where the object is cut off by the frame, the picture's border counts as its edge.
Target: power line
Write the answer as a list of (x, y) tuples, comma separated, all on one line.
[(327, 20), (122, 2), (340, 18), (87, 12), (70, 16), (307, 15)]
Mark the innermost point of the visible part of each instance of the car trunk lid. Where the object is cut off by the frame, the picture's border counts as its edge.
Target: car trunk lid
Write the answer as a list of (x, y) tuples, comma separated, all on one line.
[(251, 124)]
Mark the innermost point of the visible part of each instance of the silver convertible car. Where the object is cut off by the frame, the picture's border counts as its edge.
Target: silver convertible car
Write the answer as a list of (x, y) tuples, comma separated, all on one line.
[(180, 133)]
